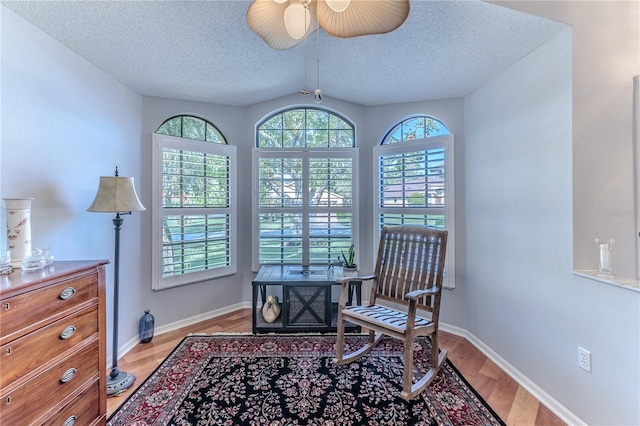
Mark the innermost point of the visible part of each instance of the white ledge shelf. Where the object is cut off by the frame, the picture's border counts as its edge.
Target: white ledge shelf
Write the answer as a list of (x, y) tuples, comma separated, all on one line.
[(628, 283)]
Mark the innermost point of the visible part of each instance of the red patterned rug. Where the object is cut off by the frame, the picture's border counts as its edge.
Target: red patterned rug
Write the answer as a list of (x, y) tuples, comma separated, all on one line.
[(291, 380)]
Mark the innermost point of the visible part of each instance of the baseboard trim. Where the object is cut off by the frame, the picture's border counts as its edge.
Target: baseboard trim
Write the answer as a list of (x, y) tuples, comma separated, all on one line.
[(131, 343), (202, 317), (547, 400)]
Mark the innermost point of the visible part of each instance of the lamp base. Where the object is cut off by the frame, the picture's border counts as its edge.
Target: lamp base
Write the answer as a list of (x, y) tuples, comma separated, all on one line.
[(120, 383)]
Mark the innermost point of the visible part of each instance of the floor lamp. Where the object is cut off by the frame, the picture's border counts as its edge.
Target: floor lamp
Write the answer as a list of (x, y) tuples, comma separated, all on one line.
[(116, 195)]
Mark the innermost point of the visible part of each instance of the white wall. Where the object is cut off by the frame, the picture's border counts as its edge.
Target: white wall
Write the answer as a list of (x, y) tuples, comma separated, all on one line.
[(64, 124), (535, 137), (603, 129), (606, 57)]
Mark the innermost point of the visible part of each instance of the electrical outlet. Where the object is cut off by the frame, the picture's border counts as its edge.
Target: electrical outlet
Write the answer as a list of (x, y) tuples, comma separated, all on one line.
[(584, 359)]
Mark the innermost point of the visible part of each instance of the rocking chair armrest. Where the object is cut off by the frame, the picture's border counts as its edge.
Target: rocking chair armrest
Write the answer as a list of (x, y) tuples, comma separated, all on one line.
[(414, 295), (345, 287)]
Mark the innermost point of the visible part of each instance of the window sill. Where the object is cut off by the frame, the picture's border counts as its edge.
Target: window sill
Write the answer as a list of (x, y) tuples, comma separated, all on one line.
[(627, 283)]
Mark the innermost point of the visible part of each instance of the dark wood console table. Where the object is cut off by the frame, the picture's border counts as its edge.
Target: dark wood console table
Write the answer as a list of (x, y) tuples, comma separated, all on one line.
[(304, 293)]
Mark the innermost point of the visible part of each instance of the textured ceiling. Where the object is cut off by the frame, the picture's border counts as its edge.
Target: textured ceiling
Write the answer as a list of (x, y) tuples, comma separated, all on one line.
[(204, 51)]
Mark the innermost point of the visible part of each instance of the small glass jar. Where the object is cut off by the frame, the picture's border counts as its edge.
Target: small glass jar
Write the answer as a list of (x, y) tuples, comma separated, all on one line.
[(32, 263), (5, 264), (604, 260)]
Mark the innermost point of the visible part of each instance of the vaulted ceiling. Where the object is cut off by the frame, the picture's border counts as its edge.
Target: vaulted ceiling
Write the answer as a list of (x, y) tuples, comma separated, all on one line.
[(204, 51)]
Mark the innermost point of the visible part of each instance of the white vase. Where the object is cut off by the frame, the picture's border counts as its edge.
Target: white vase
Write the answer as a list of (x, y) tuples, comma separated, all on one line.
[(604, 260), (18, 228)]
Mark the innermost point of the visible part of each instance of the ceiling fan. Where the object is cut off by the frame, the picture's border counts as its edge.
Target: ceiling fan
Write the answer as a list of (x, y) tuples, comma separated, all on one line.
[(282, 24)]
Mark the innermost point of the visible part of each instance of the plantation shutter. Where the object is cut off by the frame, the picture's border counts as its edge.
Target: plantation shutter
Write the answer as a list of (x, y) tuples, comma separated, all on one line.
[(305, 206), (411, 188), (330, 207), (415, 187), (194, 223)]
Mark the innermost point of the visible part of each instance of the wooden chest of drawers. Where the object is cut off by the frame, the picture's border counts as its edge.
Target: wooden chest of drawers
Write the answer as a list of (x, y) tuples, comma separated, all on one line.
[(52, 345)]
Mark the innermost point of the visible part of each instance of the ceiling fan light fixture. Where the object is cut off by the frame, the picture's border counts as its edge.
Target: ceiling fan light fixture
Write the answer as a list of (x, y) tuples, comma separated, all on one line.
[(284, 24), (337, 5), (296, 20), (362, 17)]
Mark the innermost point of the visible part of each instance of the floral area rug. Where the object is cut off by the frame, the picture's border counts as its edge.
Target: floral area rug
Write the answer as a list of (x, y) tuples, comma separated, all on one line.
[(291, 380)]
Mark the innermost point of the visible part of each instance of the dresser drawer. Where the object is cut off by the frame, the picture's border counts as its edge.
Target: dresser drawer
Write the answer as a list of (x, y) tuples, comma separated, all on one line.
[(17, 313), (82, 411), (29, 352), (32, 400)]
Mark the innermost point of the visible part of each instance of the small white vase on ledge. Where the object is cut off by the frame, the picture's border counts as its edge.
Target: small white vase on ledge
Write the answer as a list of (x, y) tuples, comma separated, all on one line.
[(18, 229), (604, 261)]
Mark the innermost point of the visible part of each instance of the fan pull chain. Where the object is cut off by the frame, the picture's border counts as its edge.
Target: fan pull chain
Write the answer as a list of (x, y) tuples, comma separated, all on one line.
[(305, 91), (318, 93)]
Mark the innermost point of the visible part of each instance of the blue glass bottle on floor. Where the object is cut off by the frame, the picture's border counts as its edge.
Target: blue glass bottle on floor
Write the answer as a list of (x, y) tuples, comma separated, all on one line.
[(145, 328)]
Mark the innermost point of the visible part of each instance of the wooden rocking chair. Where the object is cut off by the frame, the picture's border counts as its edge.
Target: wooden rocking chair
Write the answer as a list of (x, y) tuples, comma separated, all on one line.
[(408, 278)]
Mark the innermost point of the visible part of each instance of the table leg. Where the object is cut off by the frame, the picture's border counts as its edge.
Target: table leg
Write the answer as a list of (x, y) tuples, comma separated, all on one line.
[(356, 287)]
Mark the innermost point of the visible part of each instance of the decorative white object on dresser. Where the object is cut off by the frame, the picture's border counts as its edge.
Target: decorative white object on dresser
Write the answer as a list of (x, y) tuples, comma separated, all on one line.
[(52, 345)]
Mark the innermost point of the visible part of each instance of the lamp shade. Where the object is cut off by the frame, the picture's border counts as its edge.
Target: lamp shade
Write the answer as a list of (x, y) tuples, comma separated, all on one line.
[(296, 20), (362, 17), (266, 19), (116, 194), (338, 5)]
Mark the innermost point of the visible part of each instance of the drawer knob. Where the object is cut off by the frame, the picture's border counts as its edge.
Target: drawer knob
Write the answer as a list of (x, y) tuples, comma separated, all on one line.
[(67, 332), (67, 293), (8, 351), (70, 421), (68, 375)]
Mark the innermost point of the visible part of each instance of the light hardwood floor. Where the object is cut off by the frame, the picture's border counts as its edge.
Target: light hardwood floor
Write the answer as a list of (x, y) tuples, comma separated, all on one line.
[(510, 401)]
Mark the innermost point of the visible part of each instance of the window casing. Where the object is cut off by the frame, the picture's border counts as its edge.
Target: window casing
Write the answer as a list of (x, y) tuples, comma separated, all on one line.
[(414, 181), (304, 188), (194, 204)]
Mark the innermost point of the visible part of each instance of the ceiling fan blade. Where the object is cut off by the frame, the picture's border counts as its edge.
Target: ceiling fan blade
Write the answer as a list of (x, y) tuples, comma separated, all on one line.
[(266, 19), (363, 17)]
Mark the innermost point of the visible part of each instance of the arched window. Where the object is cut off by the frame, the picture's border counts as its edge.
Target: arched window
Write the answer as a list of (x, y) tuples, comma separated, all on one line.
[(415, 179), (305, 128), (189, 127), (418, 127), (305, 187), (194, 208)]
